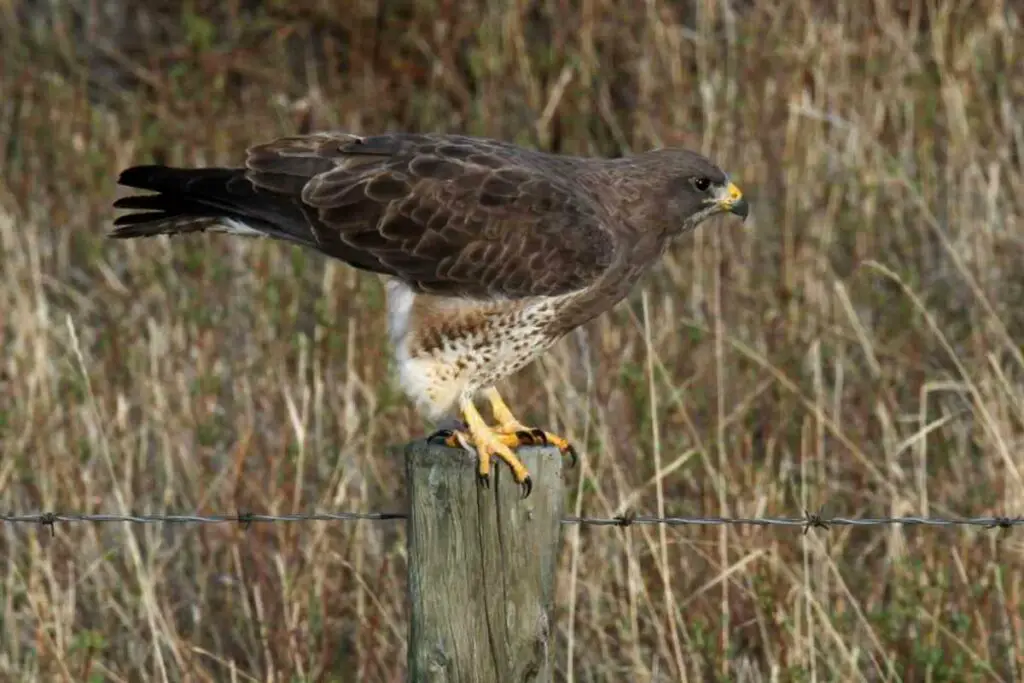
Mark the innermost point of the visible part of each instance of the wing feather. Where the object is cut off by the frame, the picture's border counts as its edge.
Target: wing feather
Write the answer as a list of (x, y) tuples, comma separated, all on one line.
[(446, 214)]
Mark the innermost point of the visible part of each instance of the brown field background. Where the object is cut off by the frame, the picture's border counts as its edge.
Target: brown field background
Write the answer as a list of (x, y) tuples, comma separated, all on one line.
[(855, 344)]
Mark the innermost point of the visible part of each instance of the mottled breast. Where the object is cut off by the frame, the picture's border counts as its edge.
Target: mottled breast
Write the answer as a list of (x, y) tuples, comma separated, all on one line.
[(449, 348)]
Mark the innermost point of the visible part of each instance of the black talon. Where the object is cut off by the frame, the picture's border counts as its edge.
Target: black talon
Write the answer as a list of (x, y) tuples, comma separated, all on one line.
[(539, 436), (484, 480), (573, 458), (447, 430), (440, 436), (525, 438), (527, 485)]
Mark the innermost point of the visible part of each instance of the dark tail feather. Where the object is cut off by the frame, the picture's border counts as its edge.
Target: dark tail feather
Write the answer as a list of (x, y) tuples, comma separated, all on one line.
[(194, 200)]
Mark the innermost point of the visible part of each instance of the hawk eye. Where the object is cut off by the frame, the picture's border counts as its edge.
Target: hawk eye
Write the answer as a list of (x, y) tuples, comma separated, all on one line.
[(701, 183)]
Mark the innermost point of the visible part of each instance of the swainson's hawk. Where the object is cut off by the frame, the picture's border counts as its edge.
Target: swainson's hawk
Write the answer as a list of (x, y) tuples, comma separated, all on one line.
[(490, 252)]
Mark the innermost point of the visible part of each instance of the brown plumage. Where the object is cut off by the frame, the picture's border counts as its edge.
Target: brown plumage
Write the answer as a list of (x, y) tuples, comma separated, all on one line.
[(491, 252)]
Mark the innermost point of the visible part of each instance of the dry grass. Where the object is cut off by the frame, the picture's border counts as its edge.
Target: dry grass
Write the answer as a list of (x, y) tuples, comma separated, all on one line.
[(856, 343)]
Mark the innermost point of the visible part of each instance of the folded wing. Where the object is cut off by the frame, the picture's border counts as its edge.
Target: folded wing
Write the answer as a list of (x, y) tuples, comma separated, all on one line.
[(447, 214)]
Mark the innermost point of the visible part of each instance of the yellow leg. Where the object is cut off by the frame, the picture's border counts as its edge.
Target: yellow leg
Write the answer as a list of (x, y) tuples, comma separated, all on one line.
[(509, 426), (487, 442)]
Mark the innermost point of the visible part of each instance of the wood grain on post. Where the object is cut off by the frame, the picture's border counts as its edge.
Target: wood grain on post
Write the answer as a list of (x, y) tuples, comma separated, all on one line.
[(481, 567)]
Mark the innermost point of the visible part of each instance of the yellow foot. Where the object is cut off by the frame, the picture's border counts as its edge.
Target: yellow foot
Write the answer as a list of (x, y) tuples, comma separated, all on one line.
[(487, 443), (516, 435), (509, 426)]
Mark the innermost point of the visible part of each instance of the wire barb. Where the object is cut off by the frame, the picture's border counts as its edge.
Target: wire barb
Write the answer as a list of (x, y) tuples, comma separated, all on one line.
[(245, 520), (1004, 522), (814, 520), (48, 519)]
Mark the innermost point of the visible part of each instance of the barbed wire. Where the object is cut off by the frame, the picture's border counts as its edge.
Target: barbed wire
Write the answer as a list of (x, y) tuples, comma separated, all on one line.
[(810, 520)]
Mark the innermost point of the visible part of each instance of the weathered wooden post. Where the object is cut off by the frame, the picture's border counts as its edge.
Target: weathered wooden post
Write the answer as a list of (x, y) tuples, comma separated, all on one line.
[(481, 567)]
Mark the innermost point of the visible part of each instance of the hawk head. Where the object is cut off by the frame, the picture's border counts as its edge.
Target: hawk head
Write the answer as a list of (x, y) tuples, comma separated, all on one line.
[(697, 189)]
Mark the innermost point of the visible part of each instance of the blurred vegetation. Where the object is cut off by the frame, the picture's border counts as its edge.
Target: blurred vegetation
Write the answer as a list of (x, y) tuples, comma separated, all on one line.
[(855, 344)]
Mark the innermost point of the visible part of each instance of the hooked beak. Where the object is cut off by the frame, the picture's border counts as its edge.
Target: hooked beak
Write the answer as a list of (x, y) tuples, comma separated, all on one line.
[(731, 199)]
